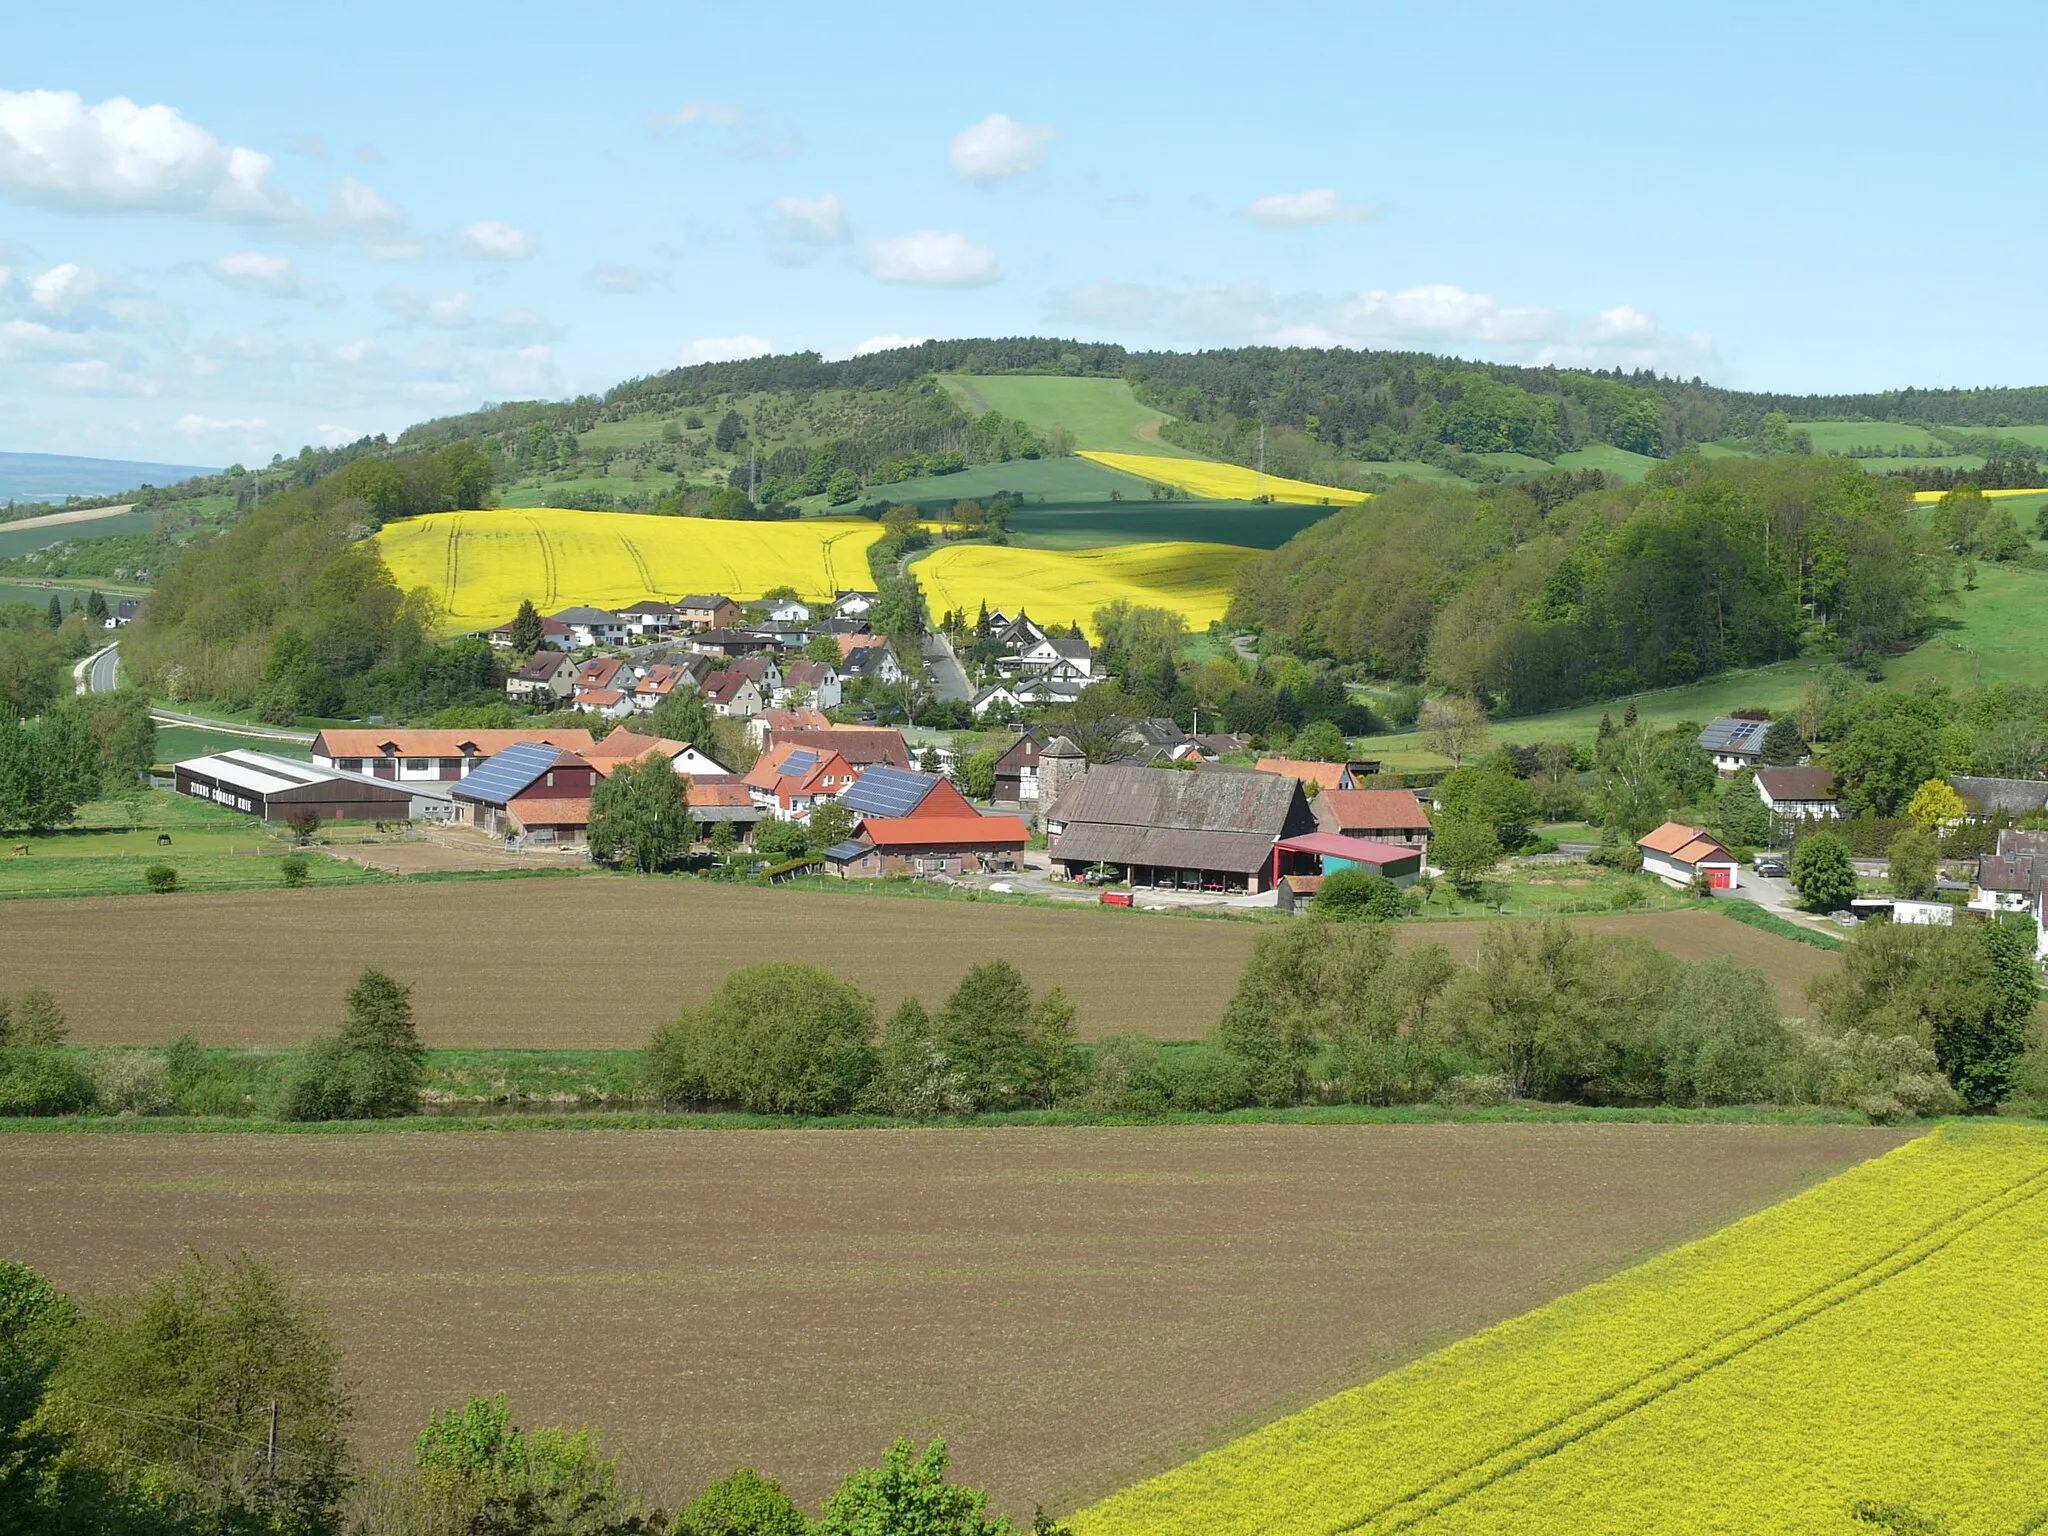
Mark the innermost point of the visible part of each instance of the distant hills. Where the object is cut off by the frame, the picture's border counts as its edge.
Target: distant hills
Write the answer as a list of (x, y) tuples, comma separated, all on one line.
[(53, 476)]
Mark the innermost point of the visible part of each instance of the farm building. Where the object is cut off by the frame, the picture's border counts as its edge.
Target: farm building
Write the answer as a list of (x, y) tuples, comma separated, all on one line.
[(533, 790), (898, 794), (1183, 831), (1017, 772), (930, 845), (1734, 743), (1990, 799), (441, 756), (863, 746), (1678, 854), (1807, 794), (281, 788), (1394, 816), (1324, 853)]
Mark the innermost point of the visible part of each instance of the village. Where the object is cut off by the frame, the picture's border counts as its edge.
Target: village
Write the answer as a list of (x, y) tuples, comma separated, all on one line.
[(1145, 813)]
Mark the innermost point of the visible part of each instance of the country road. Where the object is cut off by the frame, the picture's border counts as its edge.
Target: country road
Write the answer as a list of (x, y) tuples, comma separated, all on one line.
[(59, 519), (231, 727)]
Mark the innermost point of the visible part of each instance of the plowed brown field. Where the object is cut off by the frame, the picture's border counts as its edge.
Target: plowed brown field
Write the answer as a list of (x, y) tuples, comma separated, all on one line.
[(599, 961), (1073, 1308)]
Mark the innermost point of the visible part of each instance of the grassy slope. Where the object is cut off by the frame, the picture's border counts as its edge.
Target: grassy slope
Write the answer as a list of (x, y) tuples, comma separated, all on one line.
[(1101, 413)]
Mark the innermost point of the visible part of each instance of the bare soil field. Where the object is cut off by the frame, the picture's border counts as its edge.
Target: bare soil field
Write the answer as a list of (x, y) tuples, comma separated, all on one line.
[(600, 960), (1073, 1308)]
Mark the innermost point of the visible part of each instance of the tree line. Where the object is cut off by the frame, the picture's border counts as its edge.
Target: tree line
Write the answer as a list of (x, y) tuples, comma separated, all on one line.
[(1702, 567), (211, 1401)]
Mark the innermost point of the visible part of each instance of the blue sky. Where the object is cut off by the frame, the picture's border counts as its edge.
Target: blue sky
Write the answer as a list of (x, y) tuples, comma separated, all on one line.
[(231, 229)]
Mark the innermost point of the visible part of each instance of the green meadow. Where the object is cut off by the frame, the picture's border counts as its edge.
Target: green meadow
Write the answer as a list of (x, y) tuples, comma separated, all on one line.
[(1103, 414)]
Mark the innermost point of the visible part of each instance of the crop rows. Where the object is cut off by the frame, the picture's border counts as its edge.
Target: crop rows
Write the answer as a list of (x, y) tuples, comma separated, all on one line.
[(1675, 1395), (1226, 482)]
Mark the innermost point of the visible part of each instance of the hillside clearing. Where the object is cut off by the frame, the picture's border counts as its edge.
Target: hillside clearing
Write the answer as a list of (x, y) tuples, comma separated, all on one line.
[(1072, 1308), (1055, 586), (277, 962), (1886, 1324), (1101, 413), (481, 564)]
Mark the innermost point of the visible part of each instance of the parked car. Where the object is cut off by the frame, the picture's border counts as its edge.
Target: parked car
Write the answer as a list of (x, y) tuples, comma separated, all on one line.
[(1772, 868)]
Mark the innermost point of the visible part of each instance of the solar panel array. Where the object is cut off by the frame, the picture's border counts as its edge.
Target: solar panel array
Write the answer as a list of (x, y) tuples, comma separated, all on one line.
[(497, 779), (799, 763), (1731, 735), (884, 791)]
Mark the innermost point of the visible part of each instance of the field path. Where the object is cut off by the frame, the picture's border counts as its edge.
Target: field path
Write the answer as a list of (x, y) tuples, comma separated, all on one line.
[(59, 519)]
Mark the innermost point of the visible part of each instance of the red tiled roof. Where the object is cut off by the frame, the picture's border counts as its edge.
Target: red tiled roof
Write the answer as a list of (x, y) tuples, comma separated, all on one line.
[(946, 832), (1377, 809), (530, 812), (441, 743), (1323, 775)]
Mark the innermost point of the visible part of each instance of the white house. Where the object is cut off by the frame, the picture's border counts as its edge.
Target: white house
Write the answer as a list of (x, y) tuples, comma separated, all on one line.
[(1733, 743), (1916, 914), (1678, 855), (2015, 879), (790, 612), (1807, 794), (1061, 656), (649, 619), (589, 627), (854, 605), (997, 696), (818, 680)]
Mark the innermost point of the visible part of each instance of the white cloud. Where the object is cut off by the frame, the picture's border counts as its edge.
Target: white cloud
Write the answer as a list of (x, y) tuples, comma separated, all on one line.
[(1621, 323), (999, 147), (64, 287), (612, 277), (1319, 205), (192, 424), (457, 312), (97, 376), (887, 342), (31, 338), (934, 259), (1426, 316), (697, 114), (814, 221), (491, 240), (117, 157), (726, 349), (334, 436), (366, 216), (258, 272)]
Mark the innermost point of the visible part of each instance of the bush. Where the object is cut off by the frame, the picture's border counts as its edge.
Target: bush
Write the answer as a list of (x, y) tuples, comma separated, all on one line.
[(1359, 895), (161, 878), (293, 871), (477, 1472), (371, 1070), (40, 1080), (776, 1038), (742, 1504), (908, 1493), (132, 1083), (1135, 1075), (1887, 1077), (1474, 1090)]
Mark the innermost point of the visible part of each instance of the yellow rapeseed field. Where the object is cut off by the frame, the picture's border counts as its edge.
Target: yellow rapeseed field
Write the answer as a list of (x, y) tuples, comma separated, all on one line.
[(1937, 495), (1226, 482), (481, 564), (1059, 586), (1879, 1340)]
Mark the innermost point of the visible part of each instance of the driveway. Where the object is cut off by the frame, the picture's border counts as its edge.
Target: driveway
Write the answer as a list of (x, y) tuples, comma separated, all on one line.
[(1778, 897)]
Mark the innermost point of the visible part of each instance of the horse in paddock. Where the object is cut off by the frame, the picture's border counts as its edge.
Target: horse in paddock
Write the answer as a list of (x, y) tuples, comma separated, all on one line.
[(163, 839), (21, 850)]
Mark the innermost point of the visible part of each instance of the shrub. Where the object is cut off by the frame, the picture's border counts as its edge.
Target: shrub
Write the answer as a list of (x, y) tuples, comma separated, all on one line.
[(476, 1471), (35, 1019), (214, 1344), (1887, 1077), (293, 871), (775, 1038), (908, 1493), (132, 1083), (742, 1504), (1134, 1075), (40, 1080), (161, 878), (1359, 895), (1474, 1090), (371, 1070)]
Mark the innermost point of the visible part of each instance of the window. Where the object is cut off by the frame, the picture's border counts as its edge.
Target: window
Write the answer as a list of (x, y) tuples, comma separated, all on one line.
[(349, 764), (419, 765), (551, 778)]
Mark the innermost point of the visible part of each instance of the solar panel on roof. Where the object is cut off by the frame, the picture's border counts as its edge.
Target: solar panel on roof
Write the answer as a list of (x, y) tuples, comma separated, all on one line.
[(799, 762), (884, 791), (497, 779)]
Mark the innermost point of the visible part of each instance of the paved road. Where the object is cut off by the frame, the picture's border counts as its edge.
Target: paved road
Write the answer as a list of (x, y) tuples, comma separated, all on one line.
[(949, 678), (1777, 896), (87, 672)]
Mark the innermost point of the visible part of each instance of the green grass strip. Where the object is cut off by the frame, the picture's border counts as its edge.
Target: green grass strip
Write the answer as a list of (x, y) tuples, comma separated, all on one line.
[(1738, 910)]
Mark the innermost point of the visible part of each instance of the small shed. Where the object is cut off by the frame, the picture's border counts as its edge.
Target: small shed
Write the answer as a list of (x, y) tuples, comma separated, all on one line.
[(1324, 853), (1678, 855)]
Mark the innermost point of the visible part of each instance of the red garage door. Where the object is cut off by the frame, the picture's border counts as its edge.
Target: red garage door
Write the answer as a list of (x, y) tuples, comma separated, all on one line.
[(1720, 879)]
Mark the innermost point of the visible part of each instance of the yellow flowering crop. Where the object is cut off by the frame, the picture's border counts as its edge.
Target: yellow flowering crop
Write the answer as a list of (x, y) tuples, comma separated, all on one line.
[(1061, 586), (1937, 495), (1226, 482), (481, 564), (1883, 1337)]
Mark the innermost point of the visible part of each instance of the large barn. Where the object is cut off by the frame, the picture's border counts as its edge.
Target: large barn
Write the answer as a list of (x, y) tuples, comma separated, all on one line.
[(1169, 828), (281, 788)]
